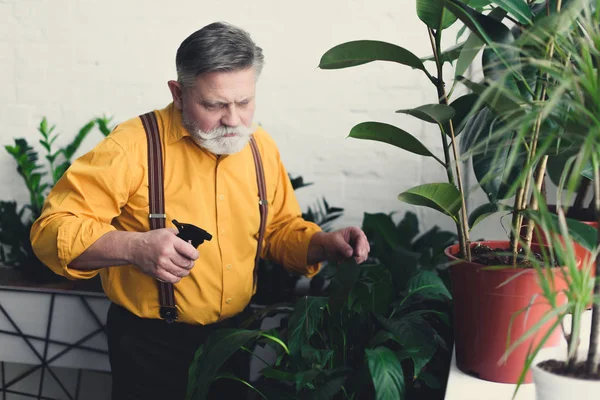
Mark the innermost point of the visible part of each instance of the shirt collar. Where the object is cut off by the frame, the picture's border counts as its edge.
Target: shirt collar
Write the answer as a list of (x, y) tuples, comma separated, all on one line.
[(175, 130)]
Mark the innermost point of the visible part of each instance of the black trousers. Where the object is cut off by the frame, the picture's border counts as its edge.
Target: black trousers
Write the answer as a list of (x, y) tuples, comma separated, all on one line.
[(150, 358)]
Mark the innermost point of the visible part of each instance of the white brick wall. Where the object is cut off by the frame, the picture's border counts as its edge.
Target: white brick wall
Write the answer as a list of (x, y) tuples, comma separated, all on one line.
[(71, 61)]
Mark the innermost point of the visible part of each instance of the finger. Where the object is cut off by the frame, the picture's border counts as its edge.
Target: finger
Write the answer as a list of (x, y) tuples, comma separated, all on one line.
[(186, 250), (166, 277), (182, 262)]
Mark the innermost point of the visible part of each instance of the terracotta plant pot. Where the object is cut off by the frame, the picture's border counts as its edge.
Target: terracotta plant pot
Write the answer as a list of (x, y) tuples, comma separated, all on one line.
[(580, 252), (551, 386), (483, 311)]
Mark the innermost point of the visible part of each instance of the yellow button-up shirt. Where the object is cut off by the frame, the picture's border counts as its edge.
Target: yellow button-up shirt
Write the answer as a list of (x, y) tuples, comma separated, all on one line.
[(107, 190)]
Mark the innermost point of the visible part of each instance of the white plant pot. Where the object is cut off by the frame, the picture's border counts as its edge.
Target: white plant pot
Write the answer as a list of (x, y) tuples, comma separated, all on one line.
[(549, 386)]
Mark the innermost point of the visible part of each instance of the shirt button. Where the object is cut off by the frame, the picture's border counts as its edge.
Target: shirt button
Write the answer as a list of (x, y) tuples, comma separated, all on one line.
[(221, 197), (228, 266), (228, 301)]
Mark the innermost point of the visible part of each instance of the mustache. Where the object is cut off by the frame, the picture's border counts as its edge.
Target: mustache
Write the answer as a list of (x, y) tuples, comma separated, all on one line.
[(221, 131)]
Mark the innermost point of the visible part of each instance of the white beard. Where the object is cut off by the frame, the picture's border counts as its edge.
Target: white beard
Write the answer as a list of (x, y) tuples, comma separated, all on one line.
[(215, 140)]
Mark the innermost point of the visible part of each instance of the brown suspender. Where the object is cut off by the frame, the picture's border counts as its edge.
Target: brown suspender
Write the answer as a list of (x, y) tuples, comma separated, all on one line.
[(166, 294)]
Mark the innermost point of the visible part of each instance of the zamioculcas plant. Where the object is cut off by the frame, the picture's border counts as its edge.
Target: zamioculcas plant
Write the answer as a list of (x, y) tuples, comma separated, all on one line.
[(15, 222)]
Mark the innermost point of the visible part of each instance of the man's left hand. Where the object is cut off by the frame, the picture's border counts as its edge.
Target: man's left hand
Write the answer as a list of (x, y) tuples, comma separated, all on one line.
[(337, 246)]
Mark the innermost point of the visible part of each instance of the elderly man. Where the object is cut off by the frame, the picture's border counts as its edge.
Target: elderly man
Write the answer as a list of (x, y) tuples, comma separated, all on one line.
[(200, 161)]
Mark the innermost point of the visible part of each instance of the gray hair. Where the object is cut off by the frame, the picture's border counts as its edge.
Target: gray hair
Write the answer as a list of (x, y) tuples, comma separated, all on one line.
[(216, 47)]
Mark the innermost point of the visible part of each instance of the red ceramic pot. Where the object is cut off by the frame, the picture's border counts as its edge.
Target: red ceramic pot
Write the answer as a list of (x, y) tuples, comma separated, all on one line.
[(483, 311)]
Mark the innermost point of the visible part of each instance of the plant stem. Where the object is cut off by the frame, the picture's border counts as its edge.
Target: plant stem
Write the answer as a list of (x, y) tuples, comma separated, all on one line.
[(591, 364), (463, 221), (523, 191), (533, 204), (574, 339)]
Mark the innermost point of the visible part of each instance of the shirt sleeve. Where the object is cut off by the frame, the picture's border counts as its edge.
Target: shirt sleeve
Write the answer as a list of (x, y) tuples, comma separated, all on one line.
[(80, 208), (288, 235)]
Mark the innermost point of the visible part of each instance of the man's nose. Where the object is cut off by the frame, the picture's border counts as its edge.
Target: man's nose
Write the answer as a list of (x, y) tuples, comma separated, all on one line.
[(231, 117)]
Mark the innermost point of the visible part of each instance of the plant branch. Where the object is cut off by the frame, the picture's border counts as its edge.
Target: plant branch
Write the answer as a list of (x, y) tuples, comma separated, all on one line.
[(523, 191), (533, 204), (462, 225), (591, 364)]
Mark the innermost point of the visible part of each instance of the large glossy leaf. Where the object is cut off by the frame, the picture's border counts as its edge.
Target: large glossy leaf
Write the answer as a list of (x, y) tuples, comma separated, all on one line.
[(428, 284), (386, 373), (443, 197), (219, 346), (517, 8), (485, 210), (390, 134), (434, 14), (463, 106), (473, 46), (419, 355), (487, 28), (432, 113), (411, 331), (304, 322), (360, 52)]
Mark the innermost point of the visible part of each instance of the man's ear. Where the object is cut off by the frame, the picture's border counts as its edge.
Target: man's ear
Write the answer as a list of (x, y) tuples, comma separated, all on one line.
[(175, 88)]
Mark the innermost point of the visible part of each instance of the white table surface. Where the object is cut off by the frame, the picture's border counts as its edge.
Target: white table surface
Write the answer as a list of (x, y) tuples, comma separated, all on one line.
[(466, 387)]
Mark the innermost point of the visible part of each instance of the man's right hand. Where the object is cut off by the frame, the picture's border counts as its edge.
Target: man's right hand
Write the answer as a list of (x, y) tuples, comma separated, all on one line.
[(161, 254)]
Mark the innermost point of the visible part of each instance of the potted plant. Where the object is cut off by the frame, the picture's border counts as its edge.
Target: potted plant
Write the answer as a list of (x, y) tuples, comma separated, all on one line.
[(565, 48), (15, 222), (483, 308)]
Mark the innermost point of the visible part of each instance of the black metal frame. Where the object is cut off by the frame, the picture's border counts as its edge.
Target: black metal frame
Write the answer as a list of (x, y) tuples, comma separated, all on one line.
[(44, 360)]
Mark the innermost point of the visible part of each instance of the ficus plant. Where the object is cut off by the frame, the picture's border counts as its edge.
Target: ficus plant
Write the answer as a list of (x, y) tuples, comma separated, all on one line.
[(39, 178)]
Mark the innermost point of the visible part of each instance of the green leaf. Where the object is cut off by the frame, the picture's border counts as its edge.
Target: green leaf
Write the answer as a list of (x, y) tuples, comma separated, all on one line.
[(219, 346), (473, 45), (380, 338), (428, 284), (419, 355), (386, 373), (377, 295), (430, 380), (581, 233), (449, 55), (277, 374), (485, 210), (327, 390), (517, 8), (390, 134), (433, 113), (304, 321), (496, 98), (316, 357), (361, 52), (493, 163), (70, 150), (434, 14), (305, 377), (411, 331), (487, 28), (443, 197), (347, 274), (463, 107)]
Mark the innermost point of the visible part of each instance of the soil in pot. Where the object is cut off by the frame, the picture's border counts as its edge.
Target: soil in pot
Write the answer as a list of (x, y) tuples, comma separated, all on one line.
[(486, 255), (578, 371)]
